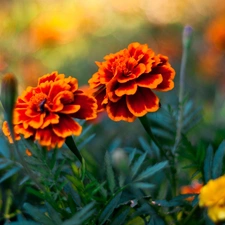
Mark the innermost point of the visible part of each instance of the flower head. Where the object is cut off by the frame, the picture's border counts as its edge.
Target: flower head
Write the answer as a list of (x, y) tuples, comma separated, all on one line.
[(212, 196), (124, 82), (45, 113)]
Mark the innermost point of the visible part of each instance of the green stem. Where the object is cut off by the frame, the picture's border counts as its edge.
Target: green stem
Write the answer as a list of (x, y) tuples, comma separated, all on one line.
[(145, 124), (170, 157), (186, 220), (186, 45)]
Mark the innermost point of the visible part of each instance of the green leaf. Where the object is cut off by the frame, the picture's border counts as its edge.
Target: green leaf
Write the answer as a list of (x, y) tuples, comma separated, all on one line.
[(80, 217), (138, 163), (28, 222), (132, 155), (109, 172), (10, 173), (37, 214), (4, 150), (208, 164), (3, 165), (86, 141), (218, 161), (156, 220), (143, 185), (120, 217), (151, 170), (109, 209), (53, 214), (72, 146)]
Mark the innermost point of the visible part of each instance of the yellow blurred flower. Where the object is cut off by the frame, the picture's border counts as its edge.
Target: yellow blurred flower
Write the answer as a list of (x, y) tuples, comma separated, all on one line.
[(212, 196), (56, 25)]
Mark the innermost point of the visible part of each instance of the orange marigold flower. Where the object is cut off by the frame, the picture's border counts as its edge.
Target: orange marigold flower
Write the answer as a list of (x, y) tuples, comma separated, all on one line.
[(6, 132), (45, 113), (215, 32), (212, 196), (124, 82), (194, 188)]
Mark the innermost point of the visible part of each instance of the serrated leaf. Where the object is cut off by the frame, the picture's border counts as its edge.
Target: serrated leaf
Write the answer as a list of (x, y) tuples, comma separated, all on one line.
[(120, 219), (37, 214), (151, 170), (208, 164), (109, 172), (9, 173), (218, 161), (137, 165), (80, 217), (108, 210)]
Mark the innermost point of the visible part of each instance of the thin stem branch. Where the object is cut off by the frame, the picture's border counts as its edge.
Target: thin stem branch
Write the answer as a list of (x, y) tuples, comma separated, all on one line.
[(186, 45), (186, 220)]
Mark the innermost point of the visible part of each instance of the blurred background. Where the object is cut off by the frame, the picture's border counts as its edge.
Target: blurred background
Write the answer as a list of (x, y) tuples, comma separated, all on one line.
[(39, 36)]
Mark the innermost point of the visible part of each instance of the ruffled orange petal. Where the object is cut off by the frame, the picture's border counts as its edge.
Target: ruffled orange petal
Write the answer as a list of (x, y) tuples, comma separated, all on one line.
[(27, 132), (26, 95), (88, 107), (142, 102), (69, 109), (44, 137), (168, 75), (51, 118), (119, 111), (100, 95), (35, 122), (48, 77), (149, 80), (94, 82), (63, 97), (56, 88), (111, 87), (66, 127), (125, 78), (128, 88), (72, 82)]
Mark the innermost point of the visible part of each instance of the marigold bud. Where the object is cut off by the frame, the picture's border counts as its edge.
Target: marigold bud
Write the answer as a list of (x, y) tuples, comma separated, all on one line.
[(8, 93), (187, 36)]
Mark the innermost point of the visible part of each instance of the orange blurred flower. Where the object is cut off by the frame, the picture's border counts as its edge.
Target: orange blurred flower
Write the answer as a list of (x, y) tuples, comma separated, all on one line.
[(6, 132), (215, 33), (45, 113), (212, 196), (28, 152), (124, 82), (194, 188)]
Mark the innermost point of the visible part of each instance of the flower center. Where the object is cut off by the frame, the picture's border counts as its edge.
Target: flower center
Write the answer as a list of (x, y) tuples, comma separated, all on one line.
[(38, 101), (120, 65)]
